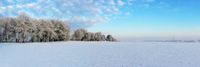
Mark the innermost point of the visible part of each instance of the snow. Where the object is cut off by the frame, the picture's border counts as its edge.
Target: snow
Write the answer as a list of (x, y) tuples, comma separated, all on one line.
[(100, 54)]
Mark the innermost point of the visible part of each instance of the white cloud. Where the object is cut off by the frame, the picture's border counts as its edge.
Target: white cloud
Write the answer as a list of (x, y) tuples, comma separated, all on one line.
[(115, 10), (10, 1), (77, 22), (10, 7), (19, 6), (97, 11), (74, 7), (130, 2), (120, 3), (149, 1), (112, 2), (40, 1), (68, 8), (31, 5), (2, 8), (127, 13)]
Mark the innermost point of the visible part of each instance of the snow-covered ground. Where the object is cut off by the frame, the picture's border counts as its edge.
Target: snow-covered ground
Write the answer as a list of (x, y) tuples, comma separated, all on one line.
[(100, 54)]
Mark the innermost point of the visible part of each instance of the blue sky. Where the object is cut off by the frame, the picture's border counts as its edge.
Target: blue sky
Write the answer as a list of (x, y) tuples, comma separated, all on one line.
[(160, 18), (121, 18)]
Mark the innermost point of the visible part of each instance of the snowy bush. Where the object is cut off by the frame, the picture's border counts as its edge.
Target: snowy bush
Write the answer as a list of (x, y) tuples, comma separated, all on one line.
[(83, 35), (110, 38)]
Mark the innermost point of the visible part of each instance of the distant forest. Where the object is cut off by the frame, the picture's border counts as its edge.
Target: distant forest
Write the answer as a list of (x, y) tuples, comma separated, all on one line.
[(23, 28)]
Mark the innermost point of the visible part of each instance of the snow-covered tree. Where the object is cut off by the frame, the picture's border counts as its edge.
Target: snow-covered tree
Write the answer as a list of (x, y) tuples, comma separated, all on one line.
[(87, 36), (79, 34), (83, 35), (97, 36), (26, 29), (110, 38)]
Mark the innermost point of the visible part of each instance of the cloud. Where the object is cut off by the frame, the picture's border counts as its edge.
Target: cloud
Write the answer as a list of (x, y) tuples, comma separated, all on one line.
[(115, 10), (10, 7), (19, 6), (66, 9), (130, 2), (149, 1), (78, 22), (120, 3), (112, 2), (31, 5), (127, 13), (10, 1)]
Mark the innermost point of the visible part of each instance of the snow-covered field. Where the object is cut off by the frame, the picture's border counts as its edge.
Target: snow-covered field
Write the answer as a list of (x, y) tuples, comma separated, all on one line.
[(100, 54)]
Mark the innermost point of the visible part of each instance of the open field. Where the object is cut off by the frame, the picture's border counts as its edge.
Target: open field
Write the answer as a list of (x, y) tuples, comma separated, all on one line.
[(100, 54)]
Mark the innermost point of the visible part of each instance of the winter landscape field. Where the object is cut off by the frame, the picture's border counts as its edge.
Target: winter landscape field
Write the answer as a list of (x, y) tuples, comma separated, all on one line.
[(99, 54), (99, 33)]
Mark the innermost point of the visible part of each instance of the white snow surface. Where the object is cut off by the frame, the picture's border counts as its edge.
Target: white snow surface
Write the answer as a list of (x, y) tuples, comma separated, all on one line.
[(100, 54)]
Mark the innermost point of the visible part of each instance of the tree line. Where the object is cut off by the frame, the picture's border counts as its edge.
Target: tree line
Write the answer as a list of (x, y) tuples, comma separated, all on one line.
[(84, 35), (26, 29)]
